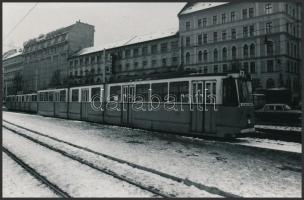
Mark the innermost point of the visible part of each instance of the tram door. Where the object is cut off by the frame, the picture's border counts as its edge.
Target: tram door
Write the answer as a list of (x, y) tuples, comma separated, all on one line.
[(210, 101), (85, 97), (128, 96), (197, 107)]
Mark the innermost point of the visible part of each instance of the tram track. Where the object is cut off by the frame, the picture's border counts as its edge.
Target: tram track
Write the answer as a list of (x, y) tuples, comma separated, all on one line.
[(152, 190), (186, 182), (36, 175)]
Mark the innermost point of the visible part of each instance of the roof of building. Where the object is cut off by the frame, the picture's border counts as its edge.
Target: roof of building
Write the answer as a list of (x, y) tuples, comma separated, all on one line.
[(190, 8), (133, 40), (17, 53)]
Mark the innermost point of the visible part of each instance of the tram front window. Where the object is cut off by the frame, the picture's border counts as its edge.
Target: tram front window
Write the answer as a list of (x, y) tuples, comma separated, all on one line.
[(230, 97), (245, 91)]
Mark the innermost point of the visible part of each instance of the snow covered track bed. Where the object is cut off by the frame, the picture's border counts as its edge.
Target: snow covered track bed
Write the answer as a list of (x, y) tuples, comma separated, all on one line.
[(78, 180), (232, 168), (33, 172), (121, 169)]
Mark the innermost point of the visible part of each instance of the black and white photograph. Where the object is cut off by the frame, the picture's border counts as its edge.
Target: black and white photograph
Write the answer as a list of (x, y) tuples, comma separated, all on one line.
[(152, 99)]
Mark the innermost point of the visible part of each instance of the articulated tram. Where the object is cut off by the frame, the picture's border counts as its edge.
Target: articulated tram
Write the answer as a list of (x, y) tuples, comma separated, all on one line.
[(204, 105)]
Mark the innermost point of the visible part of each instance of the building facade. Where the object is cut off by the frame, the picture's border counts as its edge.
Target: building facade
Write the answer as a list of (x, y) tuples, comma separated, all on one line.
[(140, 57), (12, 63), (261, 38), (46, 57)]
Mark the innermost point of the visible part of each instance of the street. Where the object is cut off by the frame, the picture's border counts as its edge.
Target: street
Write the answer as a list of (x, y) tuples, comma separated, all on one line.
[(212, 168)]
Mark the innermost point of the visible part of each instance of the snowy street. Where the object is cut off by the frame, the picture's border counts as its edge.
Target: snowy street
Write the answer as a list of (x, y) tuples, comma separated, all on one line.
[(153, 160)]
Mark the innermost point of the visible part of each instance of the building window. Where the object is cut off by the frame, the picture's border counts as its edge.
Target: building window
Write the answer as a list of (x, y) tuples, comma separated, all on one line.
[(144, 63), (127, 53), (164, 47), (268, 8), (164, 62), (246, 67), (233, 52), (205, 69), (188, 25), (174, 45), (224, 35), (174, 60), (199, 39), (287, 48), (154, 49), (188, 41), (251, 30), (245, 51), (153, 63), (245, 31), (135, 52), (269, 48), (252, 50), (215, 55), (205, 56), (204, 22), (244, 13), (145, 51), (199, 23), (215, 68), (252, 67), (200, 56), (269, 65), (268, 27), (251, 12), (205, 38), (232, 14), (135, 65), (214, 20), (286, 8), (224, 53), (187, 58), (223, 18), (270, 83), (225, 68), (233, 34), (214, 36)]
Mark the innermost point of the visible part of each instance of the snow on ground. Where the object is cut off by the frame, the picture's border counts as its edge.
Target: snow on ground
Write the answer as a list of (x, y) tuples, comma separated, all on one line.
[(165, 185), (272, 144), (280, 128), (74, 178), (237, 170), (19, 183)]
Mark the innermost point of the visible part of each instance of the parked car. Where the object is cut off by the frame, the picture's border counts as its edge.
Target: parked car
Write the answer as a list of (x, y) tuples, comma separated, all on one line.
[(278, 114)]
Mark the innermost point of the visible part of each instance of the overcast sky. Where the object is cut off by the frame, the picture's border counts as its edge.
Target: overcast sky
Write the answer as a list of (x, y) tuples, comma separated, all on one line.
[(112, 21)]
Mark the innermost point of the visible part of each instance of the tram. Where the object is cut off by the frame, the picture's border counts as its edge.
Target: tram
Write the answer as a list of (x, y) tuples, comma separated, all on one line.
[(218, 105)]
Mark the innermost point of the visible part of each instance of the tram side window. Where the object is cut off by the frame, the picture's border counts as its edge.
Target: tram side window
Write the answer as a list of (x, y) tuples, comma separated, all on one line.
[(142, 92), (229, 92), (34, 98), (95, 94), (179, 90), (84, 95), (210, 92), (51, 96), (56, 96), (62, 95), (115, 93), (159, 90), (75, 95)]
